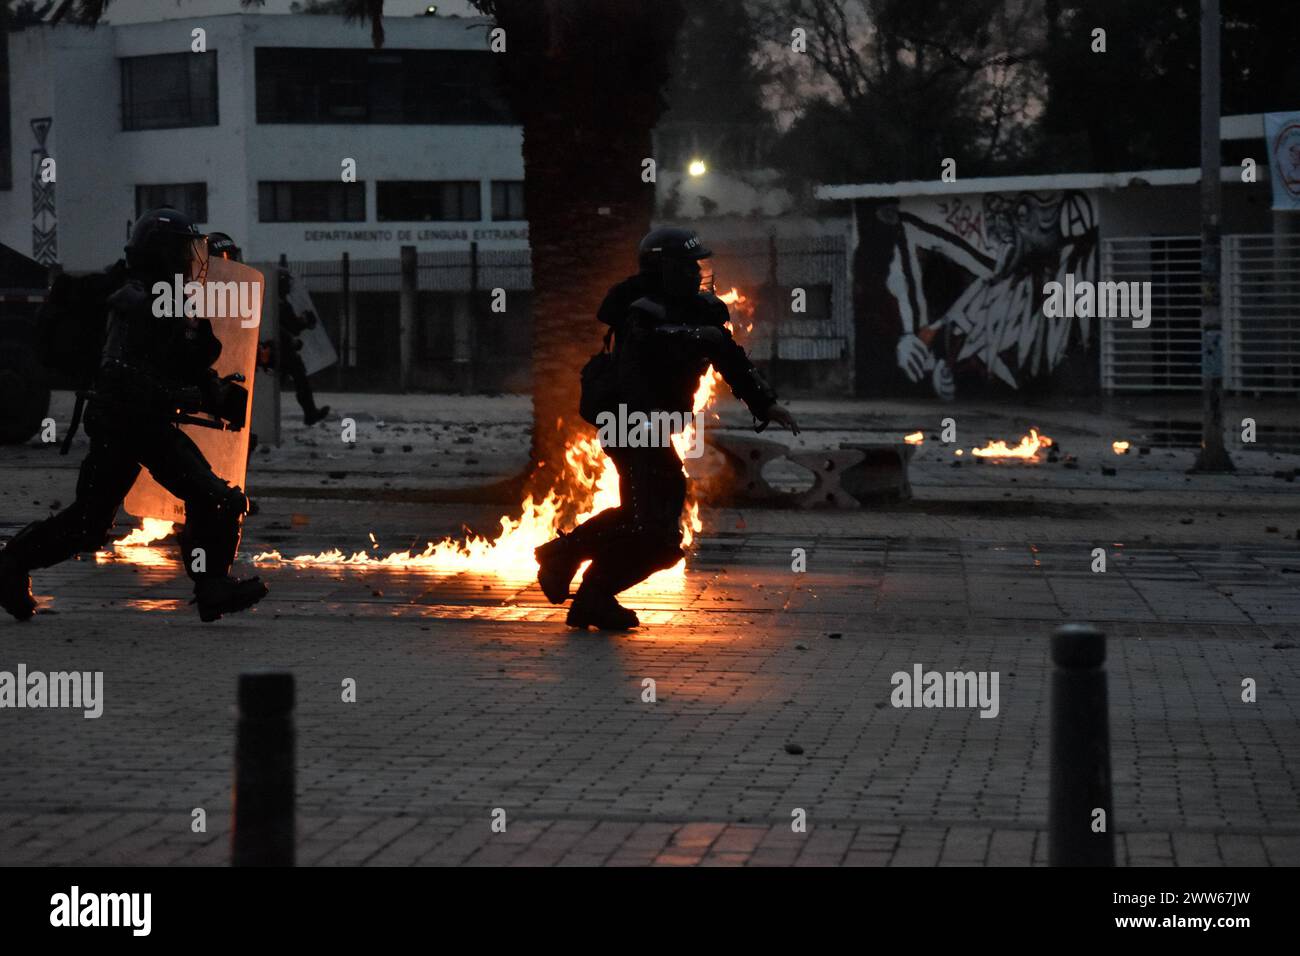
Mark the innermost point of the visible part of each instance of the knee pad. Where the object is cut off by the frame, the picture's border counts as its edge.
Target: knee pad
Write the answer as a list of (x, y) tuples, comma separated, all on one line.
[(93, 531), (232, 501), (217, 508)]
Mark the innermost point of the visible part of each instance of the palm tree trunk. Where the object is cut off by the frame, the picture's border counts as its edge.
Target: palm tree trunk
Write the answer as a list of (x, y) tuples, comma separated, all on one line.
[(583, 240), (585, 77)]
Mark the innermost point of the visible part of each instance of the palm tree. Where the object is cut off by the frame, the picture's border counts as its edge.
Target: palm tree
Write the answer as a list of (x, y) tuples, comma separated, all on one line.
[(585, 78)]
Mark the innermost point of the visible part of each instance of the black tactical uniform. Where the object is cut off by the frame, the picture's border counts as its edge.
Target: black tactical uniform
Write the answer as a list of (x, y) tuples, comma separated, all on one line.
[(666, 335), (151, 368)]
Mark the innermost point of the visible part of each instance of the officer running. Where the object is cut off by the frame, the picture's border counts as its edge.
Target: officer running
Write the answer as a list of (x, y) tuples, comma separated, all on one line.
[(291, 365), (667, 331), (150, 369)]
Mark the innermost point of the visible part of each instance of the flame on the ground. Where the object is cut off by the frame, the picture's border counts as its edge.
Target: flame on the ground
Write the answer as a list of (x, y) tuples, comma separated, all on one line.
[(592, 483), (915, 438), (1120, 447), (135, 547), (1028, 447)]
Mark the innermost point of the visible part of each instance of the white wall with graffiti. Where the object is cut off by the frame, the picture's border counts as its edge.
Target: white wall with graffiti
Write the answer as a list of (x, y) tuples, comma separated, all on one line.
[(961, 278)]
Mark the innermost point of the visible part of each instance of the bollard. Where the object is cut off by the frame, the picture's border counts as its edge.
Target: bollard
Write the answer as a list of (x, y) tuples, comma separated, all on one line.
[(1080, 751), (262, 830)]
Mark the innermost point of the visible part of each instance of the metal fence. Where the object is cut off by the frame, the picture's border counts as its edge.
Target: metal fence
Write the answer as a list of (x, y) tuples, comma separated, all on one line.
[(778, 265), (1166, 356), (1261, 313), (1260, 309), (462, 344)]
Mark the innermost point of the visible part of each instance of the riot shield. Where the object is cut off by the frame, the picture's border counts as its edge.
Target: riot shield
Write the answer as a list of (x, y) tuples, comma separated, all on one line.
[(232, 301), (317, 349)]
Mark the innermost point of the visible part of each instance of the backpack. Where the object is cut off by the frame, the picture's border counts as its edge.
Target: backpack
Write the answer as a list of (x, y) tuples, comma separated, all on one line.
[(599, 384)]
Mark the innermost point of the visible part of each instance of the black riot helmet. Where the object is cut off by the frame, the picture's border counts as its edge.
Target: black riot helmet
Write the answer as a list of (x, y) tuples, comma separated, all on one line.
[(221, 246), (672, 256), (166, 242)]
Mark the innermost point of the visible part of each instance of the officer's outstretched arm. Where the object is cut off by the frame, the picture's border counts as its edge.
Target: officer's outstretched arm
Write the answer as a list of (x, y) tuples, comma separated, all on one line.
[(746, 382), (739, 372)]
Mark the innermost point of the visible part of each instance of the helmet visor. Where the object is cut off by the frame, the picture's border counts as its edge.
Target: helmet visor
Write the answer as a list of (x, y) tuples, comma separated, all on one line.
[(196, 249), (706, 276)]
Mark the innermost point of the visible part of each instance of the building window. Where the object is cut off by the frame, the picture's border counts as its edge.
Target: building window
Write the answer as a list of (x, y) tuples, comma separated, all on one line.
[(300, 85), (325, 201), (169, 90), (508, 200), (189, 198), (431, 201)]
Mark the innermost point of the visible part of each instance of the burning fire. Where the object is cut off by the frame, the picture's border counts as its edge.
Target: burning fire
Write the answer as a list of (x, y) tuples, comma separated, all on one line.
[(1028, 448), (915, 438), (1120, 447), (592, 480), (150, 530), (742, 310), (135, 547)]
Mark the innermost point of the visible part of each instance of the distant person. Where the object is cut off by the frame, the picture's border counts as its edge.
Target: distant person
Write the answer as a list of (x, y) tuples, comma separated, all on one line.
[(291, 326), (221, 246)]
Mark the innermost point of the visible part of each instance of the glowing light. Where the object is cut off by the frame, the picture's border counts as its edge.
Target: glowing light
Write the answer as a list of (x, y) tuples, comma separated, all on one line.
[(150, 530), (1120, 447), (135, 547), (697, 167), (1028, 447), (915, 438)]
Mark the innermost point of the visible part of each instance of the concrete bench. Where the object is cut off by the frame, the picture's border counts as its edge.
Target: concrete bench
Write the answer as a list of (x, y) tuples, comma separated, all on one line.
[(851, 476)]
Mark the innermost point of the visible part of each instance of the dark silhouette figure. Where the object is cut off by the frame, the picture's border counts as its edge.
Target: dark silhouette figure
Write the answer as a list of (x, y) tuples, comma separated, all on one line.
[(665, 333)]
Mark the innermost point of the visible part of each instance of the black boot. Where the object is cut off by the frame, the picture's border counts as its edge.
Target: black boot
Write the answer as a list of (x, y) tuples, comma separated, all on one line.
[(216, 596), (557, 562), (16, 591), (598, 609), (316, 415)]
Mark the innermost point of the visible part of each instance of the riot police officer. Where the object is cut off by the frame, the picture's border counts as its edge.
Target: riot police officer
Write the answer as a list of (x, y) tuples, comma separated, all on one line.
[(666, 333), (291, 365), (150, 367)]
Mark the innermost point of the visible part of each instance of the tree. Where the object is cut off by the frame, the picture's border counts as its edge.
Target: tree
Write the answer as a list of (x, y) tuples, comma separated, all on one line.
[(1152, 67), (714, 97), (892, 87), (585, 78)]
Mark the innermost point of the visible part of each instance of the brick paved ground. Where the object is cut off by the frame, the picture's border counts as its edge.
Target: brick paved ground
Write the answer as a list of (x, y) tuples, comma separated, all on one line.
[(472, 696)]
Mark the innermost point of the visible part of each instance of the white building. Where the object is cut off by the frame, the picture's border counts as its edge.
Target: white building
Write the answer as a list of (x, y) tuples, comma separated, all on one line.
[(253, 135)]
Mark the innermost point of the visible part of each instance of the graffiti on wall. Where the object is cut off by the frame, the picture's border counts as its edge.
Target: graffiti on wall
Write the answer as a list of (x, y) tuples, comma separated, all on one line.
[(45, 224), (967, 274)]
